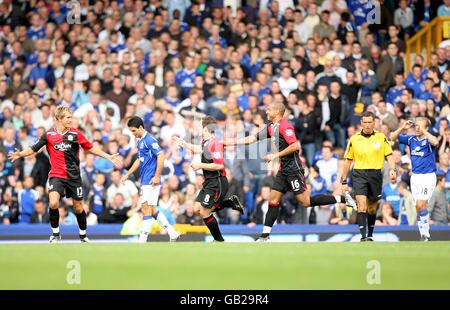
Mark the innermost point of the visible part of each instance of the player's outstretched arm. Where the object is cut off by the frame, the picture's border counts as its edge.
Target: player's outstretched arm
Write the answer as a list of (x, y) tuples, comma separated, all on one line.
[(194, 148), (395, 134), (246, 140), (133, 168), (114, 158), (205, 166), (13, 156)]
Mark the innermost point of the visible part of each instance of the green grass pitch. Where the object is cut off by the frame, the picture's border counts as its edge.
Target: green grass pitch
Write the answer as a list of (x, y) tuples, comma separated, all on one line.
[(403, 265)]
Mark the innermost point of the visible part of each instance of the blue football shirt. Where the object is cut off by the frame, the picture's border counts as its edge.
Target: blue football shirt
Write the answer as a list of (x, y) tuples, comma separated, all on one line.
[(422, 153), (148, 150)]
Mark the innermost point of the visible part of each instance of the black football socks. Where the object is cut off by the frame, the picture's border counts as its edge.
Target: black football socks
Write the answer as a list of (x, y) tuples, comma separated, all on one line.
[(82, 223), (371, 218), (270, 219), (324, 200), (54, 221), (361, 220), (213, 227)]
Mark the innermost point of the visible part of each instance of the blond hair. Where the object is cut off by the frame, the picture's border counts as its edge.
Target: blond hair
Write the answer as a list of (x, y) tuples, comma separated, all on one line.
[(425, 120), (61, 112), (279, 106)]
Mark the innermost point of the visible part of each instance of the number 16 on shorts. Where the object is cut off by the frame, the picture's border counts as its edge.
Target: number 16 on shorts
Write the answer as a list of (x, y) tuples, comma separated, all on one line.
[(295, 184)]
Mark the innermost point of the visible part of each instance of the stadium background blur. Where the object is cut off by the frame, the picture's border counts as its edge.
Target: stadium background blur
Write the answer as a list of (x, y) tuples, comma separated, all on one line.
[(171, 62)]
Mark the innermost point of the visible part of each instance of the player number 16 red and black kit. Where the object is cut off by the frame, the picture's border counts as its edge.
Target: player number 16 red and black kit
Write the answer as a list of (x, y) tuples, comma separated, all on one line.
[(291, 173)]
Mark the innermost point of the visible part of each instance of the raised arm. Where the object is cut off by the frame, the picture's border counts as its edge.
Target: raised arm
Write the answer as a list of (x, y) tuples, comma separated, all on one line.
[(434, 141), (395, 134), (194, 148)]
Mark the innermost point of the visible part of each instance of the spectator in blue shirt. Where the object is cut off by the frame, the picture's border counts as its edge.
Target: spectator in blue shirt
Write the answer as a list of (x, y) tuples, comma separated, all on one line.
[(394, 93), (27, 198), (318, 184), (36, 31), (392, 196), (97, 195), (444, 169), (253, 63), (186, 77), (444, 9), (66, 217), (115, 45), (57, 15), (42, 70), (368, 81), (360, 10), (318, 155), (88, 171), (427, 88), (180, 5), (215, 37), (415, 80)]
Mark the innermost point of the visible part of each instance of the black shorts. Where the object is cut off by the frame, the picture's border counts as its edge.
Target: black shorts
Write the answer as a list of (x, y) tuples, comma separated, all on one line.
[(292, 181), (69, 188), (213, 192), (368, 183)]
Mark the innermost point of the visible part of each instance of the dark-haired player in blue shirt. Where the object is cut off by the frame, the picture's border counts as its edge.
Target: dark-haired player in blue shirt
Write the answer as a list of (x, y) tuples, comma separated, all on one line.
[(151, 162)]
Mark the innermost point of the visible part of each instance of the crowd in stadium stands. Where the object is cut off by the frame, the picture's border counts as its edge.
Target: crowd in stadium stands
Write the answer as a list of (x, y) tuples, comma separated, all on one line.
[(172, 62)]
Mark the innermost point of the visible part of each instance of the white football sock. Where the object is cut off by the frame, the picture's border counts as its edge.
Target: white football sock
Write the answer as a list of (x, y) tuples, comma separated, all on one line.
[(424, 219), (145, 227), (162, 220), (420, 225), (267, 230)]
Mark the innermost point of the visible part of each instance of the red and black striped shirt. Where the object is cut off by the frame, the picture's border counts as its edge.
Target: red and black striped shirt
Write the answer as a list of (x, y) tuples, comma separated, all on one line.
[(282, 135), (63, 149), (212, 153)]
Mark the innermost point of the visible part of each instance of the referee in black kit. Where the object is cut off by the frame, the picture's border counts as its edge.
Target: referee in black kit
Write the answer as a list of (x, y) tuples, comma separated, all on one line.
[(368, 149)]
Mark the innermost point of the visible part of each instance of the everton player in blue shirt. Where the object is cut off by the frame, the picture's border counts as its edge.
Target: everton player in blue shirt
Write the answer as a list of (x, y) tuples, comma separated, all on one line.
[(422, 147), (151, 162)]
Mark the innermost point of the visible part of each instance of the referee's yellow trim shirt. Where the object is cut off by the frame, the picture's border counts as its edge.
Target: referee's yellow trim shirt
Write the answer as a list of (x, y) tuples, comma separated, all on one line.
[(368, 151)]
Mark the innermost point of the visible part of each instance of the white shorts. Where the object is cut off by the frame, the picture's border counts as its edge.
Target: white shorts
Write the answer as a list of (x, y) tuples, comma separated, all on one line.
[(423, 185), (150, 194)]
